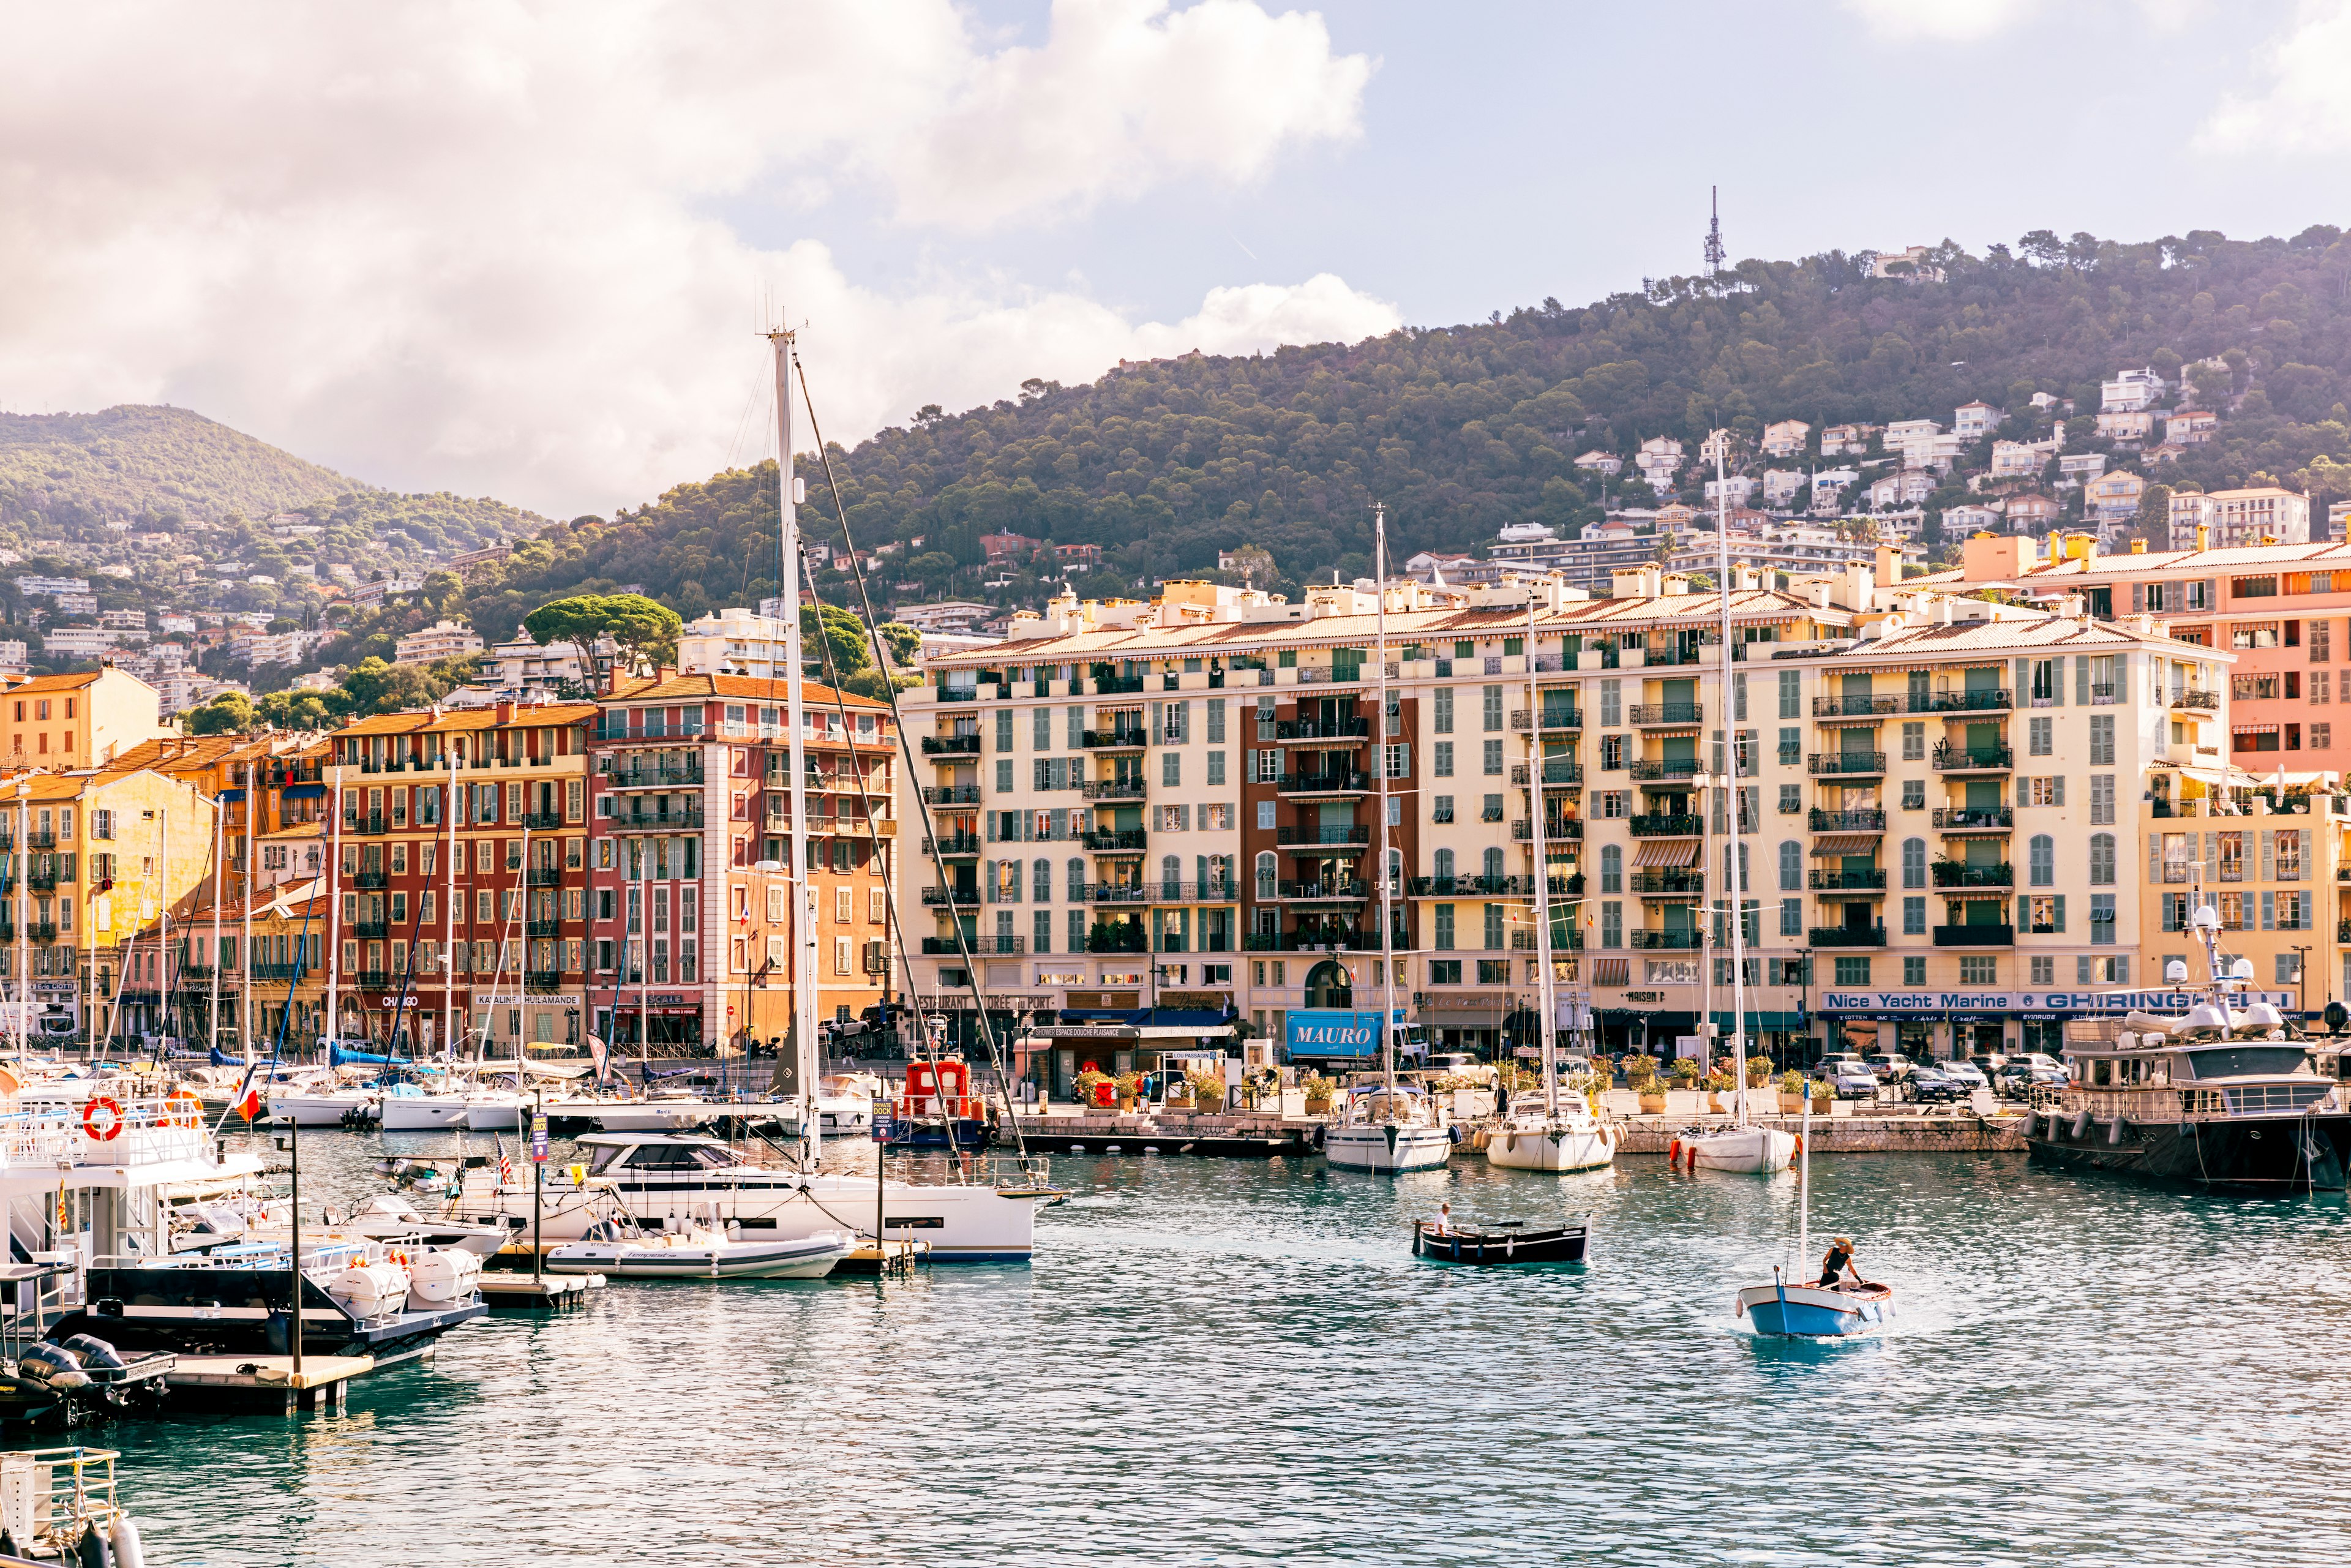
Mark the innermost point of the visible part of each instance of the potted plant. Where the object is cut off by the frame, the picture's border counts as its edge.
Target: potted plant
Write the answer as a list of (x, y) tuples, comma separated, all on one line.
[(1823, 1097), (1094, 1086), (1758, 1072), (1317, 1093), (1208, 1090), (1792, 1094), (1130, 1087)]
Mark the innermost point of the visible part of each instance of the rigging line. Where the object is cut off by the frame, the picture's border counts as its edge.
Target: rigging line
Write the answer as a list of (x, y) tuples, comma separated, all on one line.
[(889, 889), (905, 748)]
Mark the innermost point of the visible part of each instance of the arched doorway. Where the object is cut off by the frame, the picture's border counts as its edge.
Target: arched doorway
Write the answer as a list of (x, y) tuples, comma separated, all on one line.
[(1328, 985)]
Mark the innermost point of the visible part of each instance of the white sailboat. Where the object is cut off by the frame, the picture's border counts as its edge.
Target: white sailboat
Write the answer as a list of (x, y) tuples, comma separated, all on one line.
[(1738, 1147), (1551, 1134), (1390, 1128)]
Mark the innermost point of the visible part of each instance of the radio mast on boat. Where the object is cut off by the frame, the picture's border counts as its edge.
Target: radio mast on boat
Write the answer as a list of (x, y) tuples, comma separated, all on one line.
[(804, 895)]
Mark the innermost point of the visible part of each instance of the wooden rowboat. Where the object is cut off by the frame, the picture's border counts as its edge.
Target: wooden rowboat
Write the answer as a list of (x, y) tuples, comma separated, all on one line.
[(1508, 1242)]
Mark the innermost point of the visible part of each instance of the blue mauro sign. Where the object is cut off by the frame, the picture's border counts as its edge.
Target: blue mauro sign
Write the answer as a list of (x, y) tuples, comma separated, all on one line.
[(1318, 1032)]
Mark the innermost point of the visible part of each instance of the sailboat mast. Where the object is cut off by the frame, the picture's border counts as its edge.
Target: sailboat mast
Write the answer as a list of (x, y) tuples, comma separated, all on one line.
[(1734, 883), (1380, 762), (1546, 999), (803, 902)]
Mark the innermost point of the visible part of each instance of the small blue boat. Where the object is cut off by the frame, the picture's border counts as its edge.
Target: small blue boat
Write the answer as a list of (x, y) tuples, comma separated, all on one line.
[(1810, 1311)]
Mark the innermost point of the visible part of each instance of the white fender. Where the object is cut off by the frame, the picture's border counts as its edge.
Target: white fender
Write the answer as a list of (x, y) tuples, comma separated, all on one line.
[(128, 1552)]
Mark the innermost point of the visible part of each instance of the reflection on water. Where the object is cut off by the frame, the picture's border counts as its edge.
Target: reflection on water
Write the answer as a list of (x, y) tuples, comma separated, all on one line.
[(1222, 1362)]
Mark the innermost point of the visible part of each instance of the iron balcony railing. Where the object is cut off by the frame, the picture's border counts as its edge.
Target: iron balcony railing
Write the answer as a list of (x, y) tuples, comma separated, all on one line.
[(1552, 718), (1829, 763), (1113, 740), (371, 930), (687, 815), (542, 982), (370, 879), (1115, 938), (953, 844), (1668, 825), (1322, 837), (1114, 840), (1556, 772), (1970, 819), (1949, 758), (1846, 881), (951, 794), (934, 898), (1112, 790), (1992, 701), (2208, 701), (1669, 882), (982, 946), (1492, 886), (371, 979), (1846, 936), (1319, 942), (641, 776), (1869, 820), (1666, 767), (1318, 729), (951, 746), (1953, 874), (1667, 713), (1685, 941), (278, 973), (1522, 831), (543, 928), (1343, 889), (544, 821), (1975, 936), (1344, 781), (543, 876), (1853, 706)]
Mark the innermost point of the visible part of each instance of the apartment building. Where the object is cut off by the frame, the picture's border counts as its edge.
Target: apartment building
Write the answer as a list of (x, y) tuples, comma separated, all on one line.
[(1974, 421), (1785, 438), (2130, 391), (457, 871), (735, 642), (2262, 515), (81, 720), (1212, 766), (443, 638), (689, 878), (2264, 861)]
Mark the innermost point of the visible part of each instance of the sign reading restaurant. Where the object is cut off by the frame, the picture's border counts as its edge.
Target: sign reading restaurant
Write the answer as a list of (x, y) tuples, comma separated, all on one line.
[(1927, 1003)]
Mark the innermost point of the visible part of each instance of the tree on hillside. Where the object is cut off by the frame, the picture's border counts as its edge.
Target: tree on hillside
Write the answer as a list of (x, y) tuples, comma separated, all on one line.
[(645, 632), (230, 713)]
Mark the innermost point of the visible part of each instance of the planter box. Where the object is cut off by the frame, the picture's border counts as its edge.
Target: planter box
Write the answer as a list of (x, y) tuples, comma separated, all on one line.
[(1792, 1104), (1653, 1104), (1841, 1107)]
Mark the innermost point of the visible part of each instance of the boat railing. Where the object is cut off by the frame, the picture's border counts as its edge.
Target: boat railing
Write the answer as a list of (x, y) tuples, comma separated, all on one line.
[(109, 1133), (48, 1497)]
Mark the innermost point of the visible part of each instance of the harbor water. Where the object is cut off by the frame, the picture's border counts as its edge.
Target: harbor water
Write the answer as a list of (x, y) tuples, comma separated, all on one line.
[(1228, 1362)]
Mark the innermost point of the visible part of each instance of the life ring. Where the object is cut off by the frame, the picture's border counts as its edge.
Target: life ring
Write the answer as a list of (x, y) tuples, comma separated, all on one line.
[(1800, 1143), (184, 1110), (101, 1128)]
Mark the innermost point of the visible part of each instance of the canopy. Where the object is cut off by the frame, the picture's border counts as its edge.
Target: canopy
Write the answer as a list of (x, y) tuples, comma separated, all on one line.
[(1830, 846), (1665, 853)]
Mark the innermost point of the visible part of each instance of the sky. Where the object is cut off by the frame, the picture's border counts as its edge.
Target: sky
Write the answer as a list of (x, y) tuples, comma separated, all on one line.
[(524, 250)]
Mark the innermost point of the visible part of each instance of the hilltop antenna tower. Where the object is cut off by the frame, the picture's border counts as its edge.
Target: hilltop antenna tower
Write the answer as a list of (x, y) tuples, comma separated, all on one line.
[(1715, 253)]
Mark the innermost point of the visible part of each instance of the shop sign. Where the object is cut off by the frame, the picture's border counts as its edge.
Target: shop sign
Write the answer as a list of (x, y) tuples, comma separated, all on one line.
[(2003, 1004), (1320, 1032)]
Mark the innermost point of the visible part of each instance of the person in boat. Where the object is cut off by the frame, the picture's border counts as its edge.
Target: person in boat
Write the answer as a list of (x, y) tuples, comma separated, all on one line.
[(1838, 1265), (1443, 1224)]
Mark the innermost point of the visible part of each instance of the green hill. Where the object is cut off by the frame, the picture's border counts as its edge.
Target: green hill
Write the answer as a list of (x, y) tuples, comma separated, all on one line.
[(132, 461), (1460, 430)]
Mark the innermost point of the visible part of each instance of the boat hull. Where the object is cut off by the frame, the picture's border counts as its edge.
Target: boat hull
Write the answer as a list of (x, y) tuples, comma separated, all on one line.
[(1561, 1244), (1807, 1312), (2251, 1154), (497, 1116), (315, 1110), (1550, 1149), (1752, 1151), (808, 1258), (398, 1113), (1387, 1148)]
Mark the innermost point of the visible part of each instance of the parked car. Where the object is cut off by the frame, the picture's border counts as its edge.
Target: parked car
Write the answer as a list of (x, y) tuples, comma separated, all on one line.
[(1827, 1066), (2019, 1076), (1891, 1067), (1853, 1081), (1967, 1074), (1932, 1086)]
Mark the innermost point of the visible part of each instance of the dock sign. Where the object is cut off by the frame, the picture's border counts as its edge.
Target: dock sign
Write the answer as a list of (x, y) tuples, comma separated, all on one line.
[(538, 1139)]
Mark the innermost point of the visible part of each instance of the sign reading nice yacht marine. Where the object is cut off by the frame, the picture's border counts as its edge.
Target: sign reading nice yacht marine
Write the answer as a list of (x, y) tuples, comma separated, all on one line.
[(1927, 1003)]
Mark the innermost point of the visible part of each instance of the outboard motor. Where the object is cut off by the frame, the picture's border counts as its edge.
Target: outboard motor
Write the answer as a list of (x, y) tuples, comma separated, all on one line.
[(94, 1352)]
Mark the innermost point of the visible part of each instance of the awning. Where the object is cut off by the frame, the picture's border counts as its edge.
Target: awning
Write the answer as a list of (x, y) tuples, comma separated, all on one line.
[(1665, 853), (1840, 844)]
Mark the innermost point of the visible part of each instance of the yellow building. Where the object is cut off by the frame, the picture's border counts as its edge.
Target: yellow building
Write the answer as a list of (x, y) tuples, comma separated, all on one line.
[(2264, 859), (103, 854), (85, 720)]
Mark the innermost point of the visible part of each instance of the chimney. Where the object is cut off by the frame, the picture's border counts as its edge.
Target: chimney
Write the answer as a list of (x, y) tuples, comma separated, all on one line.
[(506, 712), (2204, 536), (1889, 567)]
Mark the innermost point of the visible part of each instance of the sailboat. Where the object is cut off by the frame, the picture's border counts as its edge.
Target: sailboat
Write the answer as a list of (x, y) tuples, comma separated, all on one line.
[(1389, 1128), (1547, 1135), (1739, 1146), (1801, 1310)]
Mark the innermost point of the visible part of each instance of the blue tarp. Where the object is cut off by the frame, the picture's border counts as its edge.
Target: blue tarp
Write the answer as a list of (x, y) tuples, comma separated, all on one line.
[(338, 1057)]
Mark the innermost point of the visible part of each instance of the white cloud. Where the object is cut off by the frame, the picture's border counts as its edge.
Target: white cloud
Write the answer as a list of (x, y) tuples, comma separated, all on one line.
[(473, 245), (2301, 108)]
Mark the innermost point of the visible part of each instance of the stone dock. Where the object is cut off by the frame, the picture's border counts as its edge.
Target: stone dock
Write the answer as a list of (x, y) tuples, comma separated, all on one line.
[(1960, 1131)]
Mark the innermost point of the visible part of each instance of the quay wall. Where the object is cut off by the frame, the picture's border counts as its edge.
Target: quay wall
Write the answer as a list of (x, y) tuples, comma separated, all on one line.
[(1964, 1132)]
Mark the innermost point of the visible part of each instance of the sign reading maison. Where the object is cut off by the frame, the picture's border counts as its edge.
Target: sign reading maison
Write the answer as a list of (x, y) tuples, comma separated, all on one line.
[(1933, 1003)]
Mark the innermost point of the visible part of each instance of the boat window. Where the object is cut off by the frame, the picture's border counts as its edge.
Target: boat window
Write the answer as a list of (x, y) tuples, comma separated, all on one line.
[(668, 1157), (606, 1157), (2235, 1060)]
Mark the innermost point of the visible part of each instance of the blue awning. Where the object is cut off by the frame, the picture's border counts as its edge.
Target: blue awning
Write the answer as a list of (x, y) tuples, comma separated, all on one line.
[(231, 794), (305, 791)]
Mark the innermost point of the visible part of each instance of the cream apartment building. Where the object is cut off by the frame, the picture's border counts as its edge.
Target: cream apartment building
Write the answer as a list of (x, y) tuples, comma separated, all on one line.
[(1153, 817)]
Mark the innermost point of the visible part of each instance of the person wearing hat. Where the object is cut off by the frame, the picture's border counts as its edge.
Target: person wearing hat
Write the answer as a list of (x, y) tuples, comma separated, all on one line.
[(1837, 1264)]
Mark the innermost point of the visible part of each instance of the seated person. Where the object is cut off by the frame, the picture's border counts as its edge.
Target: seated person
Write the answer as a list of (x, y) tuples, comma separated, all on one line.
[(1838, 1265)]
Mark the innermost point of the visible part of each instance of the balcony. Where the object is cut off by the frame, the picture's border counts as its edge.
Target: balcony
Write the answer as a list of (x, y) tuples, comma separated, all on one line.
[(2203, 702), (1553, 718), (1974, 818), (1997, 700), (1522, 831), (1344, 781), (1670, 941), (1869, 881), (1669, 884), (1834, 763), (1112, 790), (1317, 942), (1346, 889), (1569, 941), (1952, 874), (1668, 825), (1134, 893), (1335, 730), (1666, 767), (369, 823), (1116, 685), (954, 845), (543, 876), (661, 776), (1114, 739), (951, 745), (1870, 821), (280, 974), (371, 979), (1322, 837), (369, 930), (1855, 706), (1667, 713), (1212, 891), (687, 815), (1558, 772), (980, 946), (40, 839), (542, 982), (1975, 936), (1845, 937), (42, 880), (41, 931), (547, 821), (951, 795), (949, 897), (1116, 841), (1115, 938), (1492, 886), (370, 879), (1949, 758), (543, 928)]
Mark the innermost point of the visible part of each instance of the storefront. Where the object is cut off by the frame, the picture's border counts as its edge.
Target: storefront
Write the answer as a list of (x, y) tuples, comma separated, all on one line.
[(1938, 1024), (1052, 1055), (637, 1023)]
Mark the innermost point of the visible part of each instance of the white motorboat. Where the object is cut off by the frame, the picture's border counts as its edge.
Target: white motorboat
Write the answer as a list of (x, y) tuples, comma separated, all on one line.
[(1757, 1150), (388, 1217), (491, 1110), (699, 1252), (1388, 1130), (615, 1114), (421, 1112), (674, 1180)]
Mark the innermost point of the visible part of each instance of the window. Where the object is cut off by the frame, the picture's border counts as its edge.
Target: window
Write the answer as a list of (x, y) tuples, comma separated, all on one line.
[(1791, 865), (1792, 745), (1493, 709), (1611, 703), (2102, 860), (1914, 742), (1171, 769), (1610, 803), (2321, 736), (2046, 790), (1441, 809), (1791, 696), (2102, 798), (2102, 740), (1215, 768), (1491, 811), (2043, 971), (1444, 971), (2232, 847), (1914, 794), (1913, 862), (1265, 815), (1853, 971), (1913, 971), (1978, 969), (1611, 753), (1791, 799), (2041, 736), (1442, 762), (1493, 971), (2041, 861), (2044, 913), (2102, 919), (1494, 937), (1493, 759), (1004, 776), (1611, 924), (2288, 852), (1792, 919), (2288, 970), (1444, 939)]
